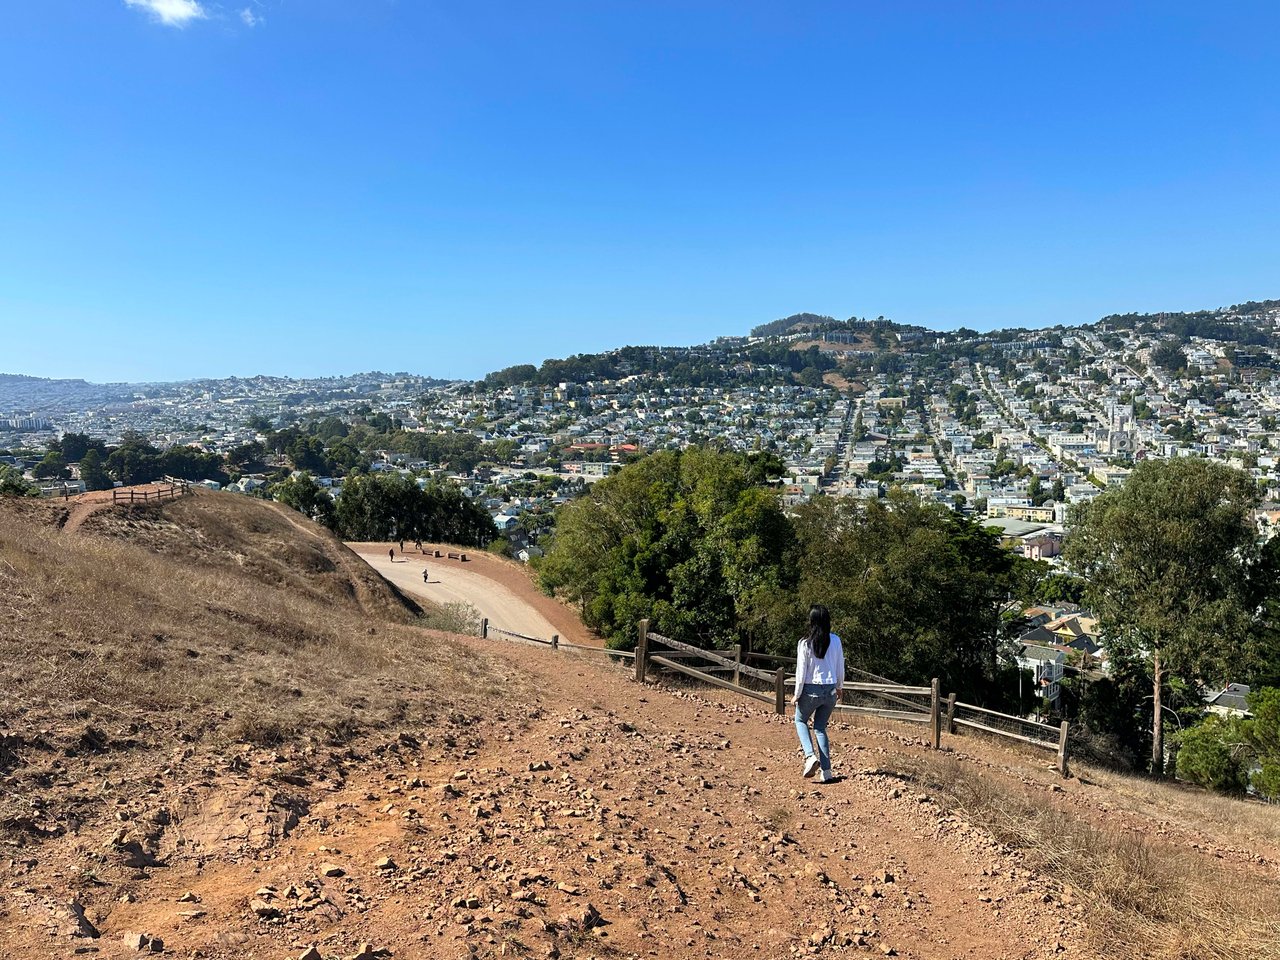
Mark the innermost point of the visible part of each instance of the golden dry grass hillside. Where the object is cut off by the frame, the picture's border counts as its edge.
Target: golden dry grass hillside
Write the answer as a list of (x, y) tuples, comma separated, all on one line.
[(193, 625)]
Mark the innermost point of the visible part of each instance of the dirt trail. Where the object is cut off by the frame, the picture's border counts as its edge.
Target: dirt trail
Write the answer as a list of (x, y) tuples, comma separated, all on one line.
[(682, 824), (496, 588), (568, 812), (84, 505)]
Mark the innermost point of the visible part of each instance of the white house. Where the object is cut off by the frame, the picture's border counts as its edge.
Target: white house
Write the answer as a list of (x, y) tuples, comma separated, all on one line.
[(1046, 665)]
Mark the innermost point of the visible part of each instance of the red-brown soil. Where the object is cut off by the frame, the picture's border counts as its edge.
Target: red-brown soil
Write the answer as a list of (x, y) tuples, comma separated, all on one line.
[(683, 822)]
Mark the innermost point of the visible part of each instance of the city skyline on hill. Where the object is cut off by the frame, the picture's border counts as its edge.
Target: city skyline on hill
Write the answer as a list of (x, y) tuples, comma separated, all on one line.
[(759, 331)]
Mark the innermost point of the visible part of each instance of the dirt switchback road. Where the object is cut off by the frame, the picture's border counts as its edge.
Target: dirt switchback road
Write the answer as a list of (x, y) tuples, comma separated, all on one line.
[(497, 589)]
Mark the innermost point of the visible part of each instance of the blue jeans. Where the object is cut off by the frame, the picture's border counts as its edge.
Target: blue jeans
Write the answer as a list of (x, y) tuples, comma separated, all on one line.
[(817, 700)]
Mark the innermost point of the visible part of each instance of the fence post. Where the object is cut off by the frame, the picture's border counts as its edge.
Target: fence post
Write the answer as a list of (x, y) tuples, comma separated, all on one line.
[(642, 650), (780, 691), (737, 664), (484, 628), (951, 714), (1062, 750), (555, 641), (935, 714)]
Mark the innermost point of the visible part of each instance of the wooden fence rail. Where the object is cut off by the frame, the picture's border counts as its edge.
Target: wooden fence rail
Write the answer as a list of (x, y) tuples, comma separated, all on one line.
[(781, 680), (1019, 729), (488, 631), (655, 650), (171, 492)]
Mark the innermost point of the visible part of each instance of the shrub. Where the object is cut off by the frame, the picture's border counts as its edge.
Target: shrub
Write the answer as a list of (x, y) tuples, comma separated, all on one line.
[(1215, 755)]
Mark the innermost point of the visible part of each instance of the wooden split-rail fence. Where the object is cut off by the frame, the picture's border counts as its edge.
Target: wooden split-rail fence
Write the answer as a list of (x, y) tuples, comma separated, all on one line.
[(489, 631), (170, 491), (864, 694)]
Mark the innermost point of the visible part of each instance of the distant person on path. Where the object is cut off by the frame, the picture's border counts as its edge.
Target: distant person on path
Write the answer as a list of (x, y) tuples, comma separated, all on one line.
[(418, 544), (392, 553), (819, 680), (424, 575), (402, 547)]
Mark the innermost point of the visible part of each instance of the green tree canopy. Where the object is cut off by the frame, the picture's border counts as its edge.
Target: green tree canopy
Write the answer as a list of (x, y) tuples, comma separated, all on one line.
[(302, 493), (697, 542), (74, 446), (915, 589), (1170, 356), (13, 484), (92, 473), (1214, 754), (1170, 559), (1263, 732), (52, 467), (373, 507), (692, 540)]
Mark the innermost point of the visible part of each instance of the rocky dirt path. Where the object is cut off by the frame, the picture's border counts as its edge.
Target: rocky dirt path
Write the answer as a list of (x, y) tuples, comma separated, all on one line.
[(599, 818), (573, 813)]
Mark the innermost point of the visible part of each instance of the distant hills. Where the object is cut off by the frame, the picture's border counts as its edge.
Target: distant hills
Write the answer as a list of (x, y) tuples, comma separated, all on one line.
[(795, 323), (817, 323), (697, 366), (801, 359), (20, 393)]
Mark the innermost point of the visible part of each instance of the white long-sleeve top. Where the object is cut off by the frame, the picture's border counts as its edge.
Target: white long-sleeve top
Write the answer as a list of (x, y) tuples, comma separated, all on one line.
[(813, 669)]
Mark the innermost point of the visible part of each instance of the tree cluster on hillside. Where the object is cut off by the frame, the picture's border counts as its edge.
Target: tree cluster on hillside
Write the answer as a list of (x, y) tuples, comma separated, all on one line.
[(390, 507), (917, 588), (1170, 356), (778, 328), (695, 541), (698, 543), (393, 507), (335, 447), (680, 367), (13, 484), (1183, 587), (1229, 326), (137, 461)]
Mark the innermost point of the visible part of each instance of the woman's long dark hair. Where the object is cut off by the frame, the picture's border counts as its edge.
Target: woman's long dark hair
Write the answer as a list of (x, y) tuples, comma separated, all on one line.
[(819, 630)]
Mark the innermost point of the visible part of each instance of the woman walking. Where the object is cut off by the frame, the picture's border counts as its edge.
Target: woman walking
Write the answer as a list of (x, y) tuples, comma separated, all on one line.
[(819, 680)]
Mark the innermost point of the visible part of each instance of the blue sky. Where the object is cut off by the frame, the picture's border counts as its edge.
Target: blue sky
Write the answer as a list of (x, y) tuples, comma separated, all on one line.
[(323, 186)]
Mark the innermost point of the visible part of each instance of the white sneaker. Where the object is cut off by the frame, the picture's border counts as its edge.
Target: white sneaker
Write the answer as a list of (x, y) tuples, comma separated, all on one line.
[(825, 777), (811, 767)]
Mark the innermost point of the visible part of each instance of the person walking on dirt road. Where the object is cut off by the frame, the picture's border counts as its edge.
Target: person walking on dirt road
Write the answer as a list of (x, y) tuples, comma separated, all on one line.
[(392, 554), (424, 575), (819, 680)]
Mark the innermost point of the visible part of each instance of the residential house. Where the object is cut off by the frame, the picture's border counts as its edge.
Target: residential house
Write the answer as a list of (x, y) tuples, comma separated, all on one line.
[(1046, 665), (1229, 702)]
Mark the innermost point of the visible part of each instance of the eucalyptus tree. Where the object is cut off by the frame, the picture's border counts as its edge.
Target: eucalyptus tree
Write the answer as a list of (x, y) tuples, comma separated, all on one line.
[(1172, 562)]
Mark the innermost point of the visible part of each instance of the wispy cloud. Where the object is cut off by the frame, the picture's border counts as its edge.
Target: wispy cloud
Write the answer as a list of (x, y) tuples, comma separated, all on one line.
[(172, 13), (250, 18)]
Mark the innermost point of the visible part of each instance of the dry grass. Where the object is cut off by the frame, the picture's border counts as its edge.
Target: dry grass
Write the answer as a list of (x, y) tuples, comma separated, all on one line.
[(1157, 902), (1244, 822), (453, 618), (210, 621)]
